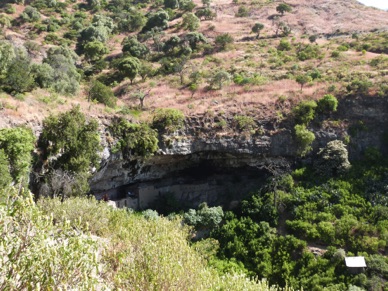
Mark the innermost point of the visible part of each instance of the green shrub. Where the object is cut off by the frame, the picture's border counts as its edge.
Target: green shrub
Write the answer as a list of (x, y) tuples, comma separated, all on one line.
[(168, 120), (102, 94), (17, 145), (134, 139), (36, 252), (304, 139), (304, 112), (242, 12), (223, 40), (9, 9), (139, 253), (244, 123), (328, 103)]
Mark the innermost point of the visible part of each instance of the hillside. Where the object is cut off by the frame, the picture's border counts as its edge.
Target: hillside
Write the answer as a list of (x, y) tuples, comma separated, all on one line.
[(327, 20)]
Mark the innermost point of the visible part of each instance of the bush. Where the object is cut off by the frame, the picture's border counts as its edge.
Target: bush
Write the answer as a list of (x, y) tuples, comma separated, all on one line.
[(304, 139), (304, 112), (332, 160), (30, 14), (134, 139), (102, 94), (143, 255), (58, 253), (223, 40), (70, 142), (245, 123), (327, 104), (16, 145), (168, 120)]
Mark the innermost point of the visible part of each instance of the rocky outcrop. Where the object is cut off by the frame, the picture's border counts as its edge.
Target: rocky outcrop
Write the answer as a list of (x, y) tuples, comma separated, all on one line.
[(205, 156)]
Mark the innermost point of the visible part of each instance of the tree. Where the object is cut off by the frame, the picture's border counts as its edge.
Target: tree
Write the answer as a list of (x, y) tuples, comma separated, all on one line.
[(172, 4), (304, 139), (146, 70), (332, 160), (220, 78), (95, 50), (65, 78), (135, 139), (205, 217), (193, 38), (7, 54), (102, 94), (257, 28), (303, 80), (141, 96), (283, 7), (304, 112), (19, 78), (205, 13), (157, 19), (328, 103), (190, 21), (135, 48), (129, 67), (313, 38), (223, 40), (70, 142), (17, 145)]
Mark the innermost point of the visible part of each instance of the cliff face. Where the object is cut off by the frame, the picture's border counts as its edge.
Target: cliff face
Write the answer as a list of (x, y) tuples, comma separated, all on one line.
[(202, 163)]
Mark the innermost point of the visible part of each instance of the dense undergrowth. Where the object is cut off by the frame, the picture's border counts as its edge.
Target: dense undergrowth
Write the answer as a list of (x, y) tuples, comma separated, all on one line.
[(87, 245)]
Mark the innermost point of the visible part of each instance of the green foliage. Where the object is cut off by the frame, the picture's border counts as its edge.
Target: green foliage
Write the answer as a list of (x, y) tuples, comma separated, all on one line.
[(30, 14), (242, 11), (102, 94), (19, 78), (205, 13), (142, 254), (135, 139), (190, 21), (223, 40), (135, 48), (172, 4), (245, 123), (5, 176), (168, 120), (59, 255), (304, 138), (95, 50), (304, 112), (307, 52), (303, 80), (257, 28), (284, 45), (359, 85), (17, 145), (65, 77), (157, 19), (70, 142), (283, 7), (332, 160), (205, 217), (129, 67), (328, 103), (193, 38), (220, 78)]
